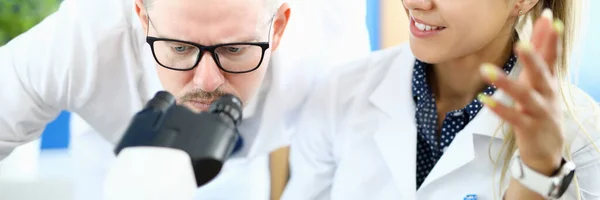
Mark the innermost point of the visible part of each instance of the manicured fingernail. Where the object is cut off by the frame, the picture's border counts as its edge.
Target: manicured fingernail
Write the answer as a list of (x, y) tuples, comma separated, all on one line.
[(487, 100), (524, 46), (489, 71), (558, 26), (547, 13)]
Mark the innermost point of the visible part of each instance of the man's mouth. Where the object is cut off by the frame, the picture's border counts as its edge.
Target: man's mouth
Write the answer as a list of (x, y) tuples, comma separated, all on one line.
[(200, 101), (198, 105)]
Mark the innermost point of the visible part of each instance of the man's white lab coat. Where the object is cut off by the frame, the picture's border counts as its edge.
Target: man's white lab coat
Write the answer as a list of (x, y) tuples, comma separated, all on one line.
[(91, 58)]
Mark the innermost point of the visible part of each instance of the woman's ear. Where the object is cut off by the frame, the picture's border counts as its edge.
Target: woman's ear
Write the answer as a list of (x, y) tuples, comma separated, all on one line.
[(523, 6), (281, 19)]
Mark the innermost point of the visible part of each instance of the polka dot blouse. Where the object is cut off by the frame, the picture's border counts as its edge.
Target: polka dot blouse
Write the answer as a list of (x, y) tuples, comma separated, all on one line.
[(430, 147)]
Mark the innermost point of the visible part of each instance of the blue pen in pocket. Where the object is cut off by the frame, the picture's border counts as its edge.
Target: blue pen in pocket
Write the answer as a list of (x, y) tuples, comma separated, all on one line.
[(470, 197)]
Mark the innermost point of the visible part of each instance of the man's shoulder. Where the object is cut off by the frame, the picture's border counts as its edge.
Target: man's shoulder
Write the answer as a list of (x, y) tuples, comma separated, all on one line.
[(97, 21), (103, 15)]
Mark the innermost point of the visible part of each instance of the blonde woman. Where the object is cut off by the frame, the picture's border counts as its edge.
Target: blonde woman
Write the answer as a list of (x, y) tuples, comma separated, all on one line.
[(466, 110)]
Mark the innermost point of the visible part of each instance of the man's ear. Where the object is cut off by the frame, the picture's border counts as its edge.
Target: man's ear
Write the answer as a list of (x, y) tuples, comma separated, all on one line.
[(523, 6), (142, 14), (281, 19)]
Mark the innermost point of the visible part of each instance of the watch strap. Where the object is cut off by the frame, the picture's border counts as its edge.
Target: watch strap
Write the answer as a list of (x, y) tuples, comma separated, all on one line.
[(550, 187)]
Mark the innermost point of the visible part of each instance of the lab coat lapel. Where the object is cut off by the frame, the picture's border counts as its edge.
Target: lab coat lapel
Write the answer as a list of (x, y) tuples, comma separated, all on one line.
[(396, 137), (462, 149)]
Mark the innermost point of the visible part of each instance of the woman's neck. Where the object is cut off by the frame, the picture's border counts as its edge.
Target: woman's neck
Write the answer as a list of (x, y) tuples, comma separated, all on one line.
[(457, 82)]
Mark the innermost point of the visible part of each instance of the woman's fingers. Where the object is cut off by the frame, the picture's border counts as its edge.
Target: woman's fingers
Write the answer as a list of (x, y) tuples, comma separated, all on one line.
[(525, 96), (553, 46), (540, 26), (535, 68), (508, 114), (546, 39)]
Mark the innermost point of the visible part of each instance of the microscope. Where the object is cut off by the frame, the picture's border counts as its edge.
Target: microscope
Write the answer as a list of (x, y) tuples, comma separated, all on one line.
[(168, 151)]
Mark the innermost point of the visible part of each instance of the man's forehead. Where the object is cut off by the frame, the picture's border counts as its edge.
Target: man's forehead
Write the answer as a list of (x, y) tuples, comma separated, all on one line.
[(207, 21)]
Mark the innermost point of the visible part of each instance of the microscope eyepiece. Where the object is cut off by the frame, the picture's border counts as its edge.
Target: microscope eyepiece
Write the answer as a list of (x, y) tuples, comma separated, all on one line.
[(162, 101), (230, 105)]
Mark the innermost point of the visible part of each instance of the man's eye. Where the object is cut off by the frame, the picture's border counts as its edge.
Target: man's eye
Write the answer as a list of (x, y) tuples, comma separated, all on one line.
[(234, 49), (180, 49)]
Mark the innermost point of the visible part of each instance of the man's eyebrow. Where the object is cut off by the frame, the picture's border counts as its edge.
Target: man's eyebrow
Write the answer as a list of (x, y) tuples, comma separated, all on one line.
[(254, 38), (167, 37), (240, 39)]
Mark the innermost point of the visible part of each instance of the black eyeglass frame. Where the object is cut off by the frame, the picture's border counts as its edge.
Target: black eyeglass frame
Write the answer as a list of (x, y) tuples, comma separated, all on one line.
[(263, 45)]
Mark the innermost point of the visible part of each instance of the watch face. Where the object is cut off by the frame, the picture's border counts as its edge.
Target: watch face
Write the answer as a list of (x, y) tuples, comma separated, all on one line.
[(565, 183)]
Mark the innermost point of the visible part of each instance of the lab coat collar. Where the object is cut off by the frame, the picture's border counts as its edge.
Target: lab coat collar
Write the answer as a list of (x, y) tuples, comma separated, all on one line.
[(462, 149), (397, 135), (389, 95)]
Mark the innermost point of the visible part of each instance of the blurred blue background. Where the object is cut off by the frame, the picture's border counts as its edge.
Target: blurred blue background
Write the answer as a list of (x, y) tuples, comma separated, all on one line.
[(589, 73), (56, 134)]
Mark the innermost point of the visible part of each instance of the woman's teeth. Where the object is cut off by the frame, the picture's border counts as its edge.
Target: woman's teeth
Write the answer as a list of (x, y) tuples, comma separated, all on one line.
[(424, 27)]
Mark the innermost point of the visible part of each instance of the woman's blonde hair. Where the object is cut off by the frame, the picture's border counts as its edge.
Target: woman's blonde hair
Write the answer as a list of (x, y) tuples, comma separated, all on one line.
[(568, 11)]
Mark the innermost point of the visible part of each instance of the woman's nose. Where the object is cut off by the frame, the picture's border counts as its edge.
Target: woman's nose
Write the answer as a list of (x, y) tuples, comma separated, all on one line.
[(418, 4)]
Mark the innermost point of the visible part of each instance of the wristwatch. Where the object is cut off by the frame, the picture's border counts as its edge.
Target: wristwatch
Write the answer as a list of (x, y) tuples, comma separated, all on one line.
[(552, 187)]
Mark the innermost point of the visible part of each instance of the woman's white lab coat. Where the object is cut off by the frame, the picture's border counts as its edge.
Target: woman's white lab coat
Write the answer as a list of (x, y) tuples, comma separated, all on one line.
[(90, 58), (358, 141)]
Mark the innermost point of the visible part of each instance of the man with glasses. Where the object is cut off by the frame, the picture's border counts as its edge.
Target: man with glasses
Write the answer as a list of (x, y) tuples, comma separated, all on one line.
[(102, 60), (228, 64)]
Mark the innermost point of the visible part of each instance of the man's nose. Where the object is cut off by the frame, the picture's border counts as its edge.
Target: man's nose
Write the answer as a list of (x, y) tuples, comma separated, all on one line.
[(207, 74), (418, 4)]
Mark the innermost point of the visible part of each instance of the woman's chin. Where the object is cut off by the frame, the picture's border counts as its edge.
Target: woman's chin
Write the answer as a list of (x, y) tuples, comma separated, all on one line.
[(427, 54)]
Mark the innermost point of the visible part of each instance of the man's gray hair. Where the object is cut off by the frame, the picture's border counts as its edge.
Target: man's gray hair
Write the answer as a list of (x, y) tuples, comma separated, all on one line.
[(271, 5), (148, 3)]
